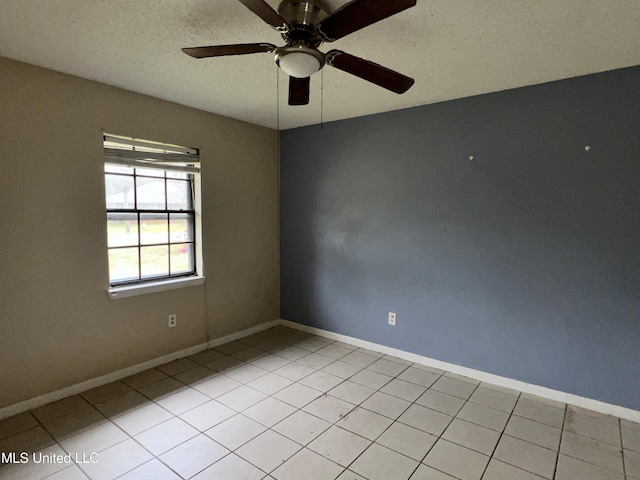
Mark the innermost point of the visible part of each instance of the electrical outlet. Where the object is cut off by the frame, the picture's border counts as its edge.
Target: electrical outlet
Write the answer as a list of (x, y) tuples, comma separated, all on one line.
[(392, 318), (173, 318)]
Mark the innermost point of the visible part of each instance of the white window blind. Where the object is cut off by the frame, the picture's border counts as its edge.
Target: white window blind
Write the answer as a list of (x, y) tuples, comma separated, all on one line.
[(143, 154)]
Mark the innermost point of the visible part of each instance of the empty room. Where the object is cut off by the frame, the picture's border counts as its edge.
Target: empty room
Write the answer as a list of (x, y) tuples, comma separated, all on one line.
[(319, 240)]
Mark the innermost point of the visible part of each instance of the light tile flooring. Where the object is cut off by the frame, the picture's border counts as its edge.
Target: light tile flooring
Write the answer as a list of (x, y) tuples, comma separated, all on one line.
[(286, 405)]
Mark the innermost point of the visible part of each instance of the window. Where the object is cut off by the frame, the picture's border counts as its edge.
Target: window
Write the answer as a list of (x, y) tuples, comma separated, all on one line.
[(152, 199)]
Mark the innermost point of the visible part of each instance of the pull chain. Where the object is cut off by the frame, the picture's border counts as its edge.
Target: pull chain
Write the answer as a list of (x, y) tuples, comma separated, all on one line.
[(278, 98), (321, 99)]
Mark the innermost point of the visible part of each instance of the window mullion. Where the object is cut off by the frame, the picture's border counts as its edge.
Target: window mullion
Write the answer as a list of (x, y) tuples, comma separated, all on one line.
[(135, 189), (139, 246), (192, 191), (169, 241), (166, 208)]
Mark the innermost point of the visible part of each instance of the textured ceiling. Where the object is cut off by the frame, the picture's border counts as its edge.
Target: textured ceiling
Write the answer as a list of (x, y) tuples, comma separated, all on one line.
[(453, 49)]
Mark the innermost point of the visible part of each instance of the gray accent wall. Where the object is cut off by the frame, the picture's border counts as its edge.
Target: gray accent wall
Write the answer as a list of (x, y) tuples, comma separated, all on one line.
[(523, 262)]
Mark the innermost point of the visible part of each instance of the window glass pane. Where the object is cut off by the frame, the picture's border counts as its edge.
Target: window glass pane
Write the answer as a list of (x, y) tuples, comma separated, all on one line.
[(182, 258), (154, 261), (150, 193), (122, 229), (119, 191), (178, 194), (154, 228), (123, 264), (180, 226), (150, 172), (118, 169), (181, 175)]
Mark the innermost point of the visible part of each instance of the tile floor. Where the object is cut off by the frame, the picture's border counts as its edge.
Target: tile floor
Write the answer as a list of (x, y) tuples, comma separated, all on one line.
[(286, 405)]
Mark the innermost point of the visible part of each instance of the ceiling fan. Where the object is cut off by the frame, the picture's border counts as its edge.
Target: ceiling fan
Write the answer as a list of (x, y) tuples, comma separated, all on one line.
[(307, 24)]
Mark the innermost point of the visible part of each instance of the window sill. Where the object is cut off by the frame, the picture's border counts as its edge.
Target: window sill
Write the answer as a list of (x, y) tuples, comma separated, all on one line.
[(154, 287)]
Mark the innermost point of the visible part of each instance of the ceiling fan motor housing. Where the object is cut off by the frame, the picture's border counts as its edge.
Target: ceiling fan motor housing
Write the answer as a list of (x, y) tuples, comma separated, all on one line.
[(303, 16)]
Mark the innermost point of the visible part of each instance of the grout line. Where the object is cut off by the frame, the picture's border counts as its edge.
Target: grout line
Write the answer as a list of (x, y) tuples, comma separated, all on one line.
[(504, 429), (438, 437), (624, 467), (564, 421)]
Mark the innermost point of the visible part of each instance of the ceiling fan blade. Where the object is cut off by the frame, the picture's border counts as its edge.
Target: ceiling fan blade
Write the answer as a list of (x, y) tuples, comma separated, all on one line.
[(266, 13), (359, 14), (299, 91), (369, 71), (222, 50)]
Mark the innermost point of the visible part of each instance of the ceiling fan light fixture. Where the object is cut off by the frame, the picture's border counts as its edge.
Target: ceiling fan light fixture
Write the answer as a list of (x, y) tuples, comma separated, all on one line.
[(299, 61)]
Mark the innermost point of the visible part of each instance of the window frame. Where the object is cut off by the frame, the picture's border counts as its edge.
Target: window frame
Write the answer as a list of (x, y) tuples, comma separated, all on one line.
[(142, 154)]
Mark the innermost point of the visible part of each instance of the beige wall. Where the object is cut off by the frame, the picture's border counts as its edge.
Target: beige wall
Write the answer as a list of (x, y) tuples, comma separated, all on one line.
[(58, 326)]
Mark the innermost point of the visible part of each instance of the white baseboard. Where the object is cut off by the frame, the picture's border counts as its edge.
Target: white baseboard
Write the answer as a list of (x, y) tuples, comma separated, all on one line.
[(588, 403), (243, 333), (36, 402)]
